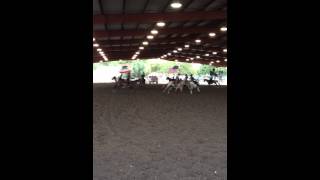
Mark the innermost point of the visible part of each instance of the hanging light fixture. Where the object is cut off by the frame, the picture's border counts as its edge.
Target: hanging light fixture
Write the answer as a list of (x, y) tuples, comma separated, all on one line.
[(161, 24), (223, 29), (176, 4), (149, 37), (212, 34), (198, 40), (154, 31)]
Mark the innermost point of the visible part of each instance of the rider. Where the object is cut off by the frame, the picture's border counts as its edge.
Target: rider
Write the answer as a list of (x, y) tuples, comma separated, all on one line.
[(177, 79), (142, 78), (193, 80), (128, 78), (212, 73)]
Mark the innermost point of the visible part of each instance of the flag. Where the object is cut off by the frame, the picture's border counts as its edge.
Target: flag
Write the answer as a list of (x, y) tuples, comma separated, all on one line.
[(124, 69), (174, 69)]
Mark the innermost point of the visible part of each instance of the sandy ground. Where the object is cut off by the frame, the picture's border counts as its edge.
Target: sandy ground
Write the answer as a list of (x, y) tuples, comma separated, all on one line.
[(142, 134)]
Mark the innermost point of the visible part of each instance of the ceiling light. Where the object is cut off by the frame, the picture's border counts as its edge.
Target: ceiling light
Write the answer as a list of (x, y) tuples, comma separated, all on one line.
[(214, 52), (145, 43), (211, 62), (96, 45), (149, 37), (225, 60), (101, 52), (154, 31), (161, 24), (212, 34), (176, 5), (169, 54), (198, 40), (94, 39), (187, 46), (137, 52), (179, 49), (223, 28), (141, 47), (100, 61), (217, 61), (198, 57), (206, 54), (192, 59), (174, 51), (187, 59), (176, 60), (165, 55), (99, 49), (224, 50)]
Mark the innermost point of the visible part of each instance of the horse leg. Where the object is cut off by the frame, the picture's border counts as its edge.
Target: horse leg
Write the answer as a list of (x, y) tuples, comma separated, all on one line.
[(169, 89), (164, 90)]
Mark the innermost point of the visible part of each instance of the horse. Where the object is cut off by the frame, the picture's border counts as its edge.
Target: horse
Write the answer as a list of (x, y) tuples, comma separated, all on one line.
[(211, 81), (118, 81), (189, 84), (192, 85), (137, 82), (170, 85)]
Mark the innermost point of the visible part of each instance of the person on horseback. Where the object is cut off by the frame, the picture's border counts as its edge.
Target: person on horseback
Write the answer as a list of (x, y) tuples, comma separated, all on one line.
[(194, 80), (177, 79), (212, 73), (128, 79), (143, 81)]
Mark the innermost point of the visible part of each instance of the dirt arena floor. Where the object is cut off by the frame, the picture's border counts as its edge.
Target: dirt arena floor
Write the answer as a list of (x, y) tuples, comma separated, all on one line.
[(143, 134)]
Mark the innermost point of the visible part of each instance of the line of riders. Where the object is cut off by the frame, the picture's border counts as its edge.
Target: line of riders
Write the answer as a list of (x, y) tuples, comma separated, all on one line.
[(127, 82)]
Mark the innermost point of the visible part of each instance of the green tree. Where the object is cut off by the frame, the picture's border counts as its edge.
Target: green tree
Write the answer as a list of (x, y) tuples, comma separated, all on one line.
[(186, 68), (155, 67), (204, 69), (165, 67), (138, 68)]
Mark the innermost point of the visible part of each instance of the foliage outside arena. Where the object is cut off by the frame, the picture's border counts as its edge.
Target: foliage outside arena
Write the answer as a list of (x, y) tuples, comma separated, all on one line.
[(161, 66)]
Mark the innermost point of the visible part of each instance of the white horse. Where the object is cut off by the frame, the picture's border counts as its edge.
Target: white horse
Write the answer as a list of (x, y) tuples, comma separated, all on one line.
[(191, 85), (169, 87)]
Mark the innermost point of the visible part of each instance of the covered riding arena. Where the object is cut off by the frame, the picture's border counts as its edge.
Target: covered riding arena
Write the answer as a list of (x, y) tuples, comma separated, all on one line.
[(142, 133)]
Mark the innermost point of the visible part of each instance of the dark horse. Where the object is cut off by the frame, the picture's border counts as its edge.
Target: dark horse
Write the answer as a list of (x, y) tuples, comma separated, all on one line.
[(211, 81), (119, 82)]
